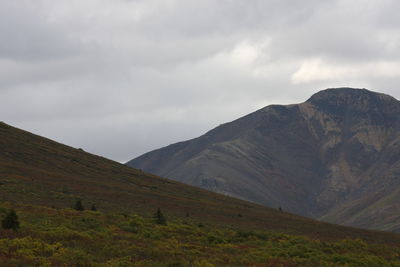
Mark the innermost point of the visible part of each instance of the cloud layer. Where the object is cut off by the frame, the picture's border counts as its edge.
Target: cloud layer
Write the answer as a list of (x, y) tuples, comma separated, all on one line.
[(121, 77)]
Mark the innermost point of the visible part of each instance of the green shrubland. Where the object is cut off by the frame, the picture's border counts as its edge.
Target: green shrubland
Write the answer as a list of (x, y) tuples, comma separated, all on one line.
[(58, 237)]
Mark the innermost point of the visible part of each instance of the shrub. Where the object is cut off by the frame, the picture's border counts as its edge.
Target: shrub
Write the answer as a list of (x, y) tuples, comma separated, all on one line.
[(134, 225), (10, 221)]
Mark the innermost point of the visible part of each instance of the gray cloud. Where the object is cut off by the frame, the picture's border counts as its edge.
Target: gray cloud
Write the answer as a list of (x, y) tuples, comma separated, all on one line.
[(27, 34), (119, 78)]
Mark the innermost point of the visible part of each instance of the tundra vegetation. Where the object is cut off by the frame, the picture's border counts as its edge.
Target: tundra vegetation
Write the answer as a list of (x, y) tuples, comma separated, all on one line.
[(65, 236), (60, 206)]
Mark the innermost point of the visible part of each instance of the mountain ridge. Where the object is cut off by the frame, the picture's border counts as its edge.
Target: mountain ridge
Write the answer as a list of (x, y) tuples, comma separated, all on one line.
[(310, 158)]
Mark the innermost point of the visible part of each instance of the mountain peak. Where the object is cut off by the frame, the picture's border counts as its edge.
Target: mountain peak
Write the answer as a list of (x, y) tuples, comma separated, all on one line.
[(345, 99), (348, 94)]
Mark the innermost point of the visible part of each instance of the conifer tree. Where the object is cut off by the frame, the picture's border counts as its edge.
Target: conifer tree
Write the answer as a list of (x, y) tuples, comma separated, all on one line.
[(79, 206), (10, 221), (160, 219)]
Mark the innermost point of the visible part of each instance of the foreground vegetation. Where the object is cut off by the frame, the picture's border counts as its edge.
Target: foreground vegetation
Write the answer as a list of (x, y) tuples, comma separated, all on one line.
[(67, 237)]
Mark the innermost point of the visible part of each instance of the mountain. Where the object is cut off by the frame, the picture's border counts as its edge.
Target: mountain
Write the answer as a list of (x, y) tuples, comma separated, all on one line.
[(41, 180), (335, 157), (37, 171)]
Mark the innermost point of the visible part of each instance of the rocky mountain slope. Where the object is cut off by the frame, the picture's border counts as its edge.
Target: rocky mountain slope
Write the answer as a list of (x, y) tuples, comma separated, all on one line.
[(334, 157)]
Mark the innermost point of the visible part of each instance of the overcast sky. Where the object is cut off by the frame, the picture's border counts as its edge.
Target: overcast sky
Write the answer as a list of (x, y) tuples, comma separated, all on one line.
[(119, 78)]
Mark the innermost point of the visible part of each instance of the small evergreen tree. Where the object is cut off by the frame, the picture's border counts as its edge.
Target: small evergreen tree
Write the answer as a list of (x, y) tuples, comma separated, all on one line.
[(93, 208), (160, 219), (10, 221), (79, 206)]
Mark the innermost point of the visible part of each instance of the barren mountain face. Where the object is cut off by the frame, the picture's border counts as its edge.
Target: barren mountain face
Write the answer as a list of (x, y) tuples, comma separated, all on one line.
[(334, 157)]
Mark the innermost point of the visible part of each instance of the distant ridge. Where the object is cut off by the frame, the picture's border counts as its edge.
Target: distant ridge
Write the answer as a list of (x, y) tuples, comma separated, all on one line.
[(334, 157)]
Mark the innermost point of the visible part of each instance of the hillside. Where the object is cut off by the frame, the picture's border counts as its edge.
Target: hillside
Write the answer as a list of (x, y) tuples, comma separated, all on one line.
[(334, 157), (66, 237), (42, 180), (37, 171)]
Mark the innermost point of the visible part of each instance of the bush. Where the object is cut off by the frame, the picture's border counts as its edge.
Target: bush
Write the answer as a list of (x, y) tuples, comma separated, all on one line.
[(134, 225), (10, 221)]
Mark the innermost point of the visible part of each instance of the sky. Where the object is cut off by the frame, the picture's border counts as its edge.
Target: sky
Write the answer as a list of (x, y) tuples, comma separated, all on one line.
[(119, 78)]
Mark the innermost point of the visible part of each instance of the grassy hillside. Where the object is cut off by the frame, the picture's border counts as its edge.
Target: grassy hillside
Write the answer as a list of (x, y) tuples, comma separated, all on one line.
[(36, 170), (42, 179), (65, 237)]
